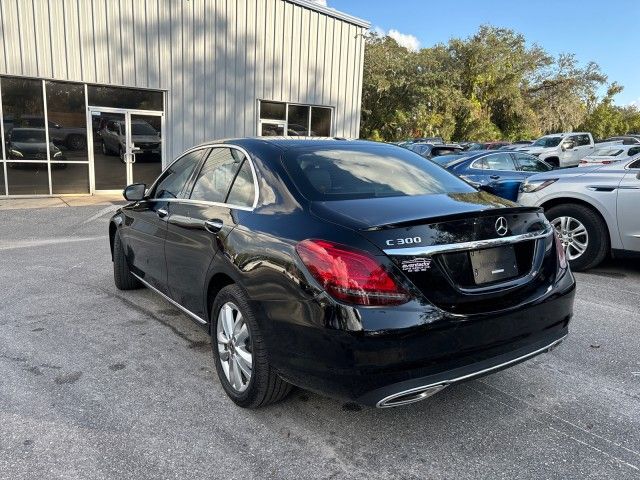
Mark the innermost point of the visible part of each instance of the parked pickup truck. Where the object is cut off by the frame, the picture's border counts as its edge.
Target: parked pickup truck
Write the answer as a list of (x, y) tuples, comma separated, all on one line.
[(562, 149)]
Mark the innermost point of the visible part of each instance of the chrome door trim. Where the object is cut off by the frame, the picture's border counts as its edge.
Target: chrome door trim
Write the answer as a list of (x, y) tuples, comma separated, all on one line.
[(170, 300), (473, 245)]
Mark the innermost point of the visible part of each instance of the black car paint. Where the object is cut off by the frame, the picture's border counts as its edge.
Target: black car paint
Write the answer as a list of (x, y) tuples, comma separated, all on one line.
[(353, 352)]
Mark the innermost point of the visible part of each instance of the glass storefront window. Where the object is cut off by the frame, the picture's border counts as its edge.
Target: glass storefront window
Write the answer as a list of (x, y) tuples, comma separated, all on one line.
[(23, 119), (320, 122), (27, 178), (67, 121), (276, 118), (273, 111), (69, 178), (120, 97), (2, 185), (298, 122)]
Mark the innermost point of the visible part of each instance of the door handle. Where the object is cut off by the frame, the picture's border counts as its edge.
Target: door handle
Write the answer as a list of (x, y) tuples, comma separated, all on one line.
[(213, 226), (162, 212), (494, 177)]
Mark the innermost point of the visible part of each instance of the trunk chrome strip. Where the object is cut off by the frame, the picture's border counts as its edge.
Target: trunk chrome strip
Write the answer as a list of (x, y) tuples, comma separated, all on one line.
[(170, 300), (474, 245)]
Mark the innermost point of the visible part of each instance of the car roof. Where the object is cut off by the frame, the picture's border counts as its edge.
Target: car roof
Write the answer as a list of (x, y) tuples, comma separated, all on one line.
[(286, 143)]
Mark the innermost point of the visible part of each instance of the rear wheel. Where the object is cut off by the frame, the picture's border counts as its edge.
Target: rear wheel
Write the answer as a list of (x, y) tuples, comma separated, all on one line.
[(122, 276), (240, 354), (583, 233)]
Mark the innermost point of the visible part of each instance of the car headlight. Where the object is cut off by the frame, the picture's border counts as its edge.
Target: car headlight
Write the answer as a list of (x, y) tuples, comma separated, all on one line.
[(531, 186), (16, 153), (57, 154)]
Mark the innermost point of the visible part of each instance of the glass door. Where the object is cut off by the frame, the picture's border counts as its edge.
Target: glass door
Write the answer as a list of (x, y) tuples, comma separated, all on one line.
[(146, 147), (110, 158), (126, 147)]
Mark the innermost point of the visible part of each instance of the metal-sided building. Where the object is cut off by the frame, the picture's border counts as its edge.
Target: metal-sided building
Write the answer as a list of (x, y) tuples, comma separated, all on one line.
[(96, 94)]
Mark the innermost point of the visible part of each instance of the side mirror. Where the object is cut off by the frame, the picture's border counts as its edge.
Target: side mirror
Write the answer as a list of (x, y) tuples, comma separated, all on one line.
[(134, 192), (135, 149), (567, 145)]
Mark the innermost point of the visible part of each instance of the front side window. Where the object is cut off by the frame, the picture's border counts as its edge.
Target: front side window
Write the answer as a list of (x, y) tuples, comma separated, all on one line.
[(366, 171), (176, 176), (217, 174), (546, 142), (529, 163)]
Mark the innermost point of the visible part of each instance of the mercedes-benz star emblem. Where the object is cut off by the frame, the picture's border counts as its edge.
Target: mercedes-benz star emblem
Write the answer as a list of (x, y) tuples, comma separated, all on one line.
[(501, 226)]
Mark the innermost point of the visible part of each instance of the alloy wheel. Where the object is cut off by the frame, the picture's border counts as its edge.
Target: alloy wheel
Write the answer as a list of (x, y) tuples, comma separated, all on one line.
[(234, 347), (573, 235)]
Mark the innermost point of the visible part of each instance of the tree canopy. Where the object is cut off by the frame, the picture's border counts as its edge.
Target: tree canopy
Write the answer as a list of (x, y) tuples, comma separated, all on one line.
[(489, 86)]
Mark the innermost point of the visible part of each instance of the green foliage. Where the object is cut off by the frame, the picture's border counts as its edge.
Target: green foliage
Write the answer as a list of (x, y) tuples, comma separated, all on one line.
[(486, 87)]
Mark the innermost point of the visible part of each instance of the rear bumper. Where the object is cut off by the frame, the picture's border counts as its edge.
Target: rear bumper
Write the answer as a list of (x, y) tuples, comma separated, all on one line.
[(370, 367)]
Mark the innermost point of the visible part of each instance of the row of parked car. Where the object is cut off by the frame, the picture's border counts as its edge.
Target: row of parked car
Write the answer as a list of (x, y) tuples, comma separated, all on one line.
[(592, 209)]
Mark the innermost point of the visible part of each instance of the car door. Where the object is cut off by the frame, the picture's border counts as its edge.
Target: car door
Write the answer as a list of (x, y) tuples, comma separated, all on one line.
[(629, 208), (500, 175), (146, 222), (199, 226)]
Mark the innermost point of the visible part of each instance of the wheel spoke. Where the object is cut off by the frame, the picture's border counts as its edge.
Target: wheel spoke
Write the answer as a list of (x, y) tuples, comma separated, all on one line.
[(242, 335), (222, 338), (578, 231), (245, 359), (227, 320), (235, 374)]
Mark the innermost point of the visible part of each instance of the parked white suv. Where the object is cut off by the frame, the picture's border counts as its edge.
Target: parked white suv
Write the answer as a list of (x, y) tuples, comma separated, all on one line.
[(562, 149)]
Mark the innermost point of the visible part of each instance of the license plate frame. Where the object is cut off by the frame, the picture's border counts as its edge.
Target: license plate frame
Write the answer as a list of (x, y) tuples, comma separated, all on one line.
[(491, 265)]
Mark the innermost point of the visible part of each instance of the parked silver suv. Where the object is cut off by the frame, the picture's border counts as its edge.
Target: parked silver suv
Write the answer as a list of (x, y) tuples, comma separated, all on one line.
[(593, 209)]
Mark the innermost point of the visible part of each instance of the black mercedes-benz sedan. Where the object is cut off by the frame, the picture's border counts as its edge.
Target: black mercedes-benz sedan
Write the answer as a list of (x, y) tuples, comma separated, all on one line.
[(355, 269)]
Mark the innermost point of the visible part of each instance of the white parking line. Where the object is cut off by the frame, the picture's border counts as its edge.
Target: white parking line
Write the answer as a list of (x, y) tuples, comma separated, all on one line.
[(11, 245), (104, 211)]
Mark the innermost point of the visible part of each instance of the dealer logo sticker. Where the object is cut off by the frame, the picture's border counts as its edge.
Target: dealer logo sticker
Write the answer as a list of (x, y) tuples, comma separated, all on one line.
[(416, 265)]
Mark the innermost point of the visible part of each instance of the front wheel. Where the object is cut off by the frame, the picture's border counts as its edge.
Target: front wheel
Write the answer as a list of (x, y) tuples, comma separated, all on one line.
[(583, 234), (240, 353)]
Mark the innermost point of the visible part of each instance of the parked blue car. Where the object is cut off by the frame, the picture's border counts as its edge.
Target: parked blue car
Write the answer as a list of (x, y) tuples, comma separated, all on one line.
[(498, 172)]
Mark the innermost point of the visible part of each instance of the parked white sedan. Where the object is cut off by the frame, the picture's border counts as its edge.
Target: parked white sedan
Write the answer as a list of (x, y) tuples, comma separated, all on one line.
[(610, 153)]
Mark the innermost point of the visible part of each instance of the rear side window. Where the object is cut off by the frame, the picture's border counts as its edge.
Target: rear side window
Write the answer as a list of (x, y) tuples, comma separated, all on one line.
[(174, 178), (633, 151), (366, 171), (496, 161), (217, 174), (243, 190)]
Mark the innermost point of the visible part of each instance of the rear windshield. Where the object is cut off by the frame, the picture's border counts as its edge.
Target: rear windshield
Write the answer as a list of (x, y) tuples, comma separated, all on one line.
[(608, 152), (367, 171)]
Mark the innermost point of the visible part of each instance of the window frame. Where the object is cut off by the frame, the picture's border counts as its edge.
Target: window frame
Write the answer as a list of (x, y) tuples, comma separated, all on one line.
[(311, 106), (530, 157), (196, 171), (161, 177)]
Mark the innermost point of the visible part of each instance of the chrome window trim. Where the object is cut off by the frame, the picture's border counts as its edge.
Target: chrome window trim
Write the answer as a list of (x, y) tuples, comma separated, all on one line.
[(473, 245), (254, 173), (170, 300)]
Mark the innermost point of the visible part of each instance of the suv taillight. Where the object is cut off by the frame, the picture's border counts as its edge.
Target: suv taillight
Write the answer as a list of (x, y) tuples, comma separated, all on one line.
[(350, 275)]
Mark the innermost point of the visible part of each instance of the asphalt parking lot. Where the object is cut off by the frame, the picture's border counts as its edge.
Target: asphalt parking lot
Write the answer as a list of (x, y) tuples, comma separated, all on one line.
[(98, 383)]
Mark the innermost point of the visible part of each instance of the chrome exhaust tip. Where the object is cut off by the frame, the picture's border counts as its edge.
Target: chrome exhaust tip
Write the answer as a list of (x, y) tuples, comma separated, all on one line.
[(409, 396)]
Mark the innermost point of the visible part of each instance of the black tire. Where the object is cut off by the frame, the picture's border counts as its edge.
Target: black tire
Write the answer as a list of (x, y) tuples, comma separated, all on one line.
[(598, 240), (122, 276), (76, 142), (264, 386), (121, 154), (105, 149)]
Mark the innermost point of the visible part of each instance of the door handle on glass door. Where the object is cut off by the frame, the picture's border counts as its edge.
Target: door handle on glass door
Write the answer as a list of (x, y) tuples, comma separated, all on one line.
[(213, 226)]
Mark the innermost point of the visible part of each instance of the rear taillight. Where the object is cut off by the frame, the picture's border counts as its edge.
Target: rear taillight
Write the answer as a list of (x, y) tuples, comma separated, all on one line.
[(350, 275), (562, 256)]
